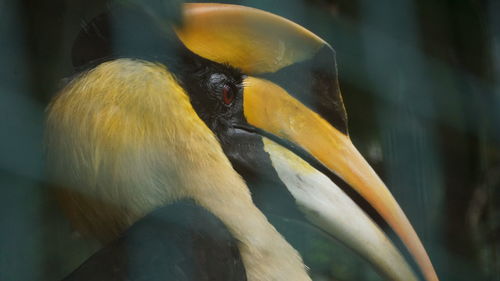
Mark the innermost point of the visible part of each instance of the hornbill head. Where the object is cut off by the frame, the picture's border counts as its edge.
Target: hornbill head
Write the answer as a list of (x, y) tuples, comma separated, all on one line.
[(266, 88)]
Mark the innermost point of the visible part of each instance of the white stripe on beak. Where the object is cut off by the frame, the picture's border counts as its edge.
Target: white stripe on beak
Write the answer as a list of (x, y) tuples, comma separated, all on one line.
[(329, 208)]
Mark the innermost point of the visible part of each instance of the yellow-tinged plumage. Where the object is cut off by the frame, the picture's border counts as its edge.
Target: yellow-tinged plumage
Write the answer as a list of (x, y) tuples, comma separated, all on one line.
[(148, 148)]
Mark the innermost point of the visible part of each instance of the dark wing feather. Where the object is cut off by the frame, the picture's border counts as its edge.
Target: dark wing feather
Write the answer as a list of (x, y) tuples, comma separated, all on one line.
[(178, 242)]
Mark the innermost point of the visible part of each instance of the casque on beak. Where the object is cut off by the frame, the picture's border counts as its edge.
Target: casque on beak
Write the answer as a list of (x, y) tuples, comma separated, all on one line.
[(260, 43)]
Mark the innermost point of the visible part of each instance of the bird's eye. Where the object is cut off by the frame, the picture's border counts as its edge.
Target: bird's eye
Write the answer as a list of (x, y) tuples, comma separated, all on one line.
[(227, 94)]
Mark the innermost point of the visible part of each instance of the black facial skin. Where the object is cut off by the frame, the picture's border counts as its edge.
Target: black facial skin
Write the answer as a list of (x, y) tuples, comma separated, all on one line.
[(216, 92), (205, 81)]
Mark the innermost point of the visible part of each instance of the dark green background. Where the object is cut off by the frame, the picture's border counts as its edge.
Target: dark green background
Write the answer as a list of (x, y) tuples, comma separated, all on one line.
[(421, 83)]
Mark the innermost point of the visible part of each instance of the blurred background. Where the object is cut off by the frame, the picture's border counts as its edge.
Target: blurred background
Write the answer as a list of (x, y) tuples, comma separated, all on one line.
[(421, 84)]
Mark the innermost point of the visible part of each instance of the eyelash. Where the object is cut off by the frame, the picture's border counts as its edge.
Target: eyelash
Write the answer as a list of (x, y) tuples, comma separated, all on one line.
[(227, 94)]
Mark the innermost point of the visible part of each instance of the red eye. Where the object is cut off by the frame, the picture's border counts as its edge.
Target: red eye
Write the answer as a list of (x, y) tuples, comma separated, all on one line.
[(227, 95)]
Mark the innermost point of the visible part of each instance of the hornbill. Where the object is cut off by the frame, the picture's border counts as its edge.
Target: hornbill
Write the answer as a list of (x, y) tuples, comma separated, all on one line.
[(174, 130)]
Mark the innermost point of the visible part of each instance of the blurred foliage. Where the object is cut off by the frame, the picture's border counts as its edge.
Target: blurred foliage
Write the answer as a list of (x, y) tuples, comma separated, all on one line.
[(421, 83)]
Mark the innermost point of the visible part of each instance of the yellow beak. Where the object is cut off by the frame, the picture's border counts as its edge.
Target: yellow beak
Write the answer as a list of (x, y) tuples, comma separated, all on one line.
[(269, 107), (258, 43)]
